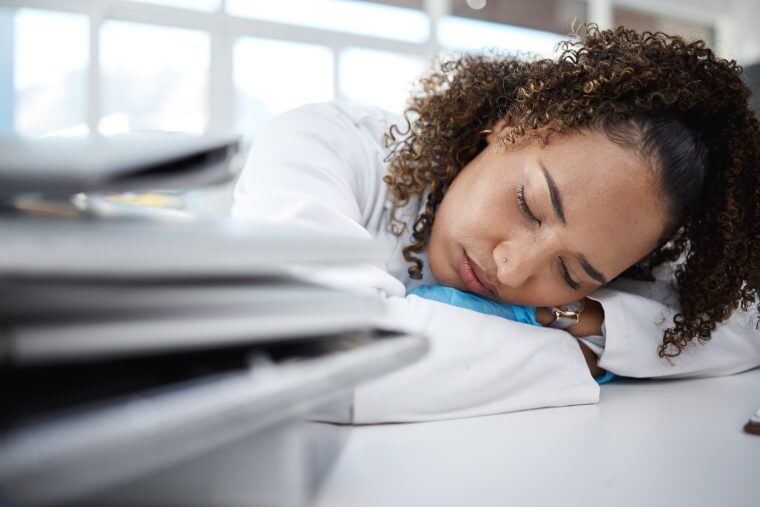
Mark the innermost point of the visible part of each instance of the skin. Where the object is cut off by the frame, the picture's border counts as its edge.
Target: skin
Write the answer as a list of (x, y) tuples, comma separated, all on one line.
[(612, 207)]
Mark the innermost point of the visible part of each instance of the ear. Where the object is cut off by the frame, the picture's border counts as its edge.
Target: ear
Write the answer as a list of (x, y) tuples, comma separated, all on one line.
[(499, 128)]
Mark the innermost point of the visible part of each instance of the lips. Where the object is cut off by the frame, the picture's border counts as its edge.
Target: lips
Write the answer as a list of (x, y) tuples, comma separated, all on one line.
[(482, 278), (468, 272)]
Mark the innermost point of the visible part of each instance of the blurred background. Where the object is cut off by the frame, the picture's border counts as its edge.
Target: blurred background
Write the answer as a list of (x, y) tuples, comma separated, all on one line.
[(72, 67)]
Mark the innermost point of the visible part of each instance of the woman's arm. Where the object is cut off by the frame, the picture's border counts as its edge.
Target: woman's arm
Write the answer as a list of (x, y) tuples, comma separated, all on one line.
[(635, 315), (590, 324)]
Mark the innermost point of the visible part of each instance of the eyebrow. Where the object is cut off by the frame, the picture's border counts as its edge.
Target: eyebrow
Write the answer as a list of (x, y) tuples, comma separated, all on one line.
[(554, 192), (560, 212), (592, 272)]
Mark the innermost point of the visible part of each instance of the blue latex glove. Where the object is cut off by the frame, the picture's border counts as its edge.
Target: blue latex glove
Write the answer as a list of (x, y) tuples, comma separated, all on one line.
[(456, 297)]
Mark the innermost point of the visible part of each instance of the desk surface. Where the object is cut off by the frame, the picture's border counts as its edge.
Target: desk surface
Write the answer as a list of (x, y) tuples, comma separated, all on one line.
[(670, 443)]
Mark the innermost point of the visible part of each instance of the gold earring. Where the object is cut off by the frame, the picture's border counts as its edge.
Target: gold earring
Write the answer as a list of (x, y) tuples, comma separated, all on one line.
[(486, 131)]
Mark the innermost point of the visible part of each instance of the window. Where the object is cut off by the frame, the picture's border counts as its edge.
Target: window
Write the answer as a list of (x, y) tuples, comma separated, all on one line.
[(380, 78), (463, 34), (641, 21), (553, 16), (48, 73), (201, 5), (522, 28), (364, 18), (273, 76), (221, 65), (154, 78)]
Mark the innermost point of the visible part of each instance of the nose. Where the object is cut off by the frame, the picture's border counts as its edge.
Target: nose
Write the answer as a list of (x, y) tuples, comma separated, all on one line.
[(516, 263)]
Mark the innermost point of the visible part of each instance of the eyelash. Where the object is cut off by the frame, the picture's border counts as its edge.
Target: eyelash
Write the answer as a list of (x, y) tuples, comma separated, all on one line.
[(524, 205), (524, 208), (573, 284)]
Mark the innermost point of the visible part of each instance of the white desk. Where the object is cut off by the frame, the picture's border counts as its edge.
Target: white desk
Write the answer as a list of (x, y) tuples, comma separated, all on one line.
[(669, 443)]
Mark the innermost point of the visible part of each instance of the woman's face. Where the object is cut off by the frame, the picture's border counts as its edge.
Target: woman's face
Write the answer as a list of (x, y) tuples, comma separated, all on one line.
[(597, 211)]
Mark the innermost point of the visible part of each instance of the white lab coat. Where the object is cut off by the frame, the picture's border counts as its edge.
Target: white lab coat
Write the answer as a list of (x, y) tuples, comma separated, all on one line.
[(321, 165)]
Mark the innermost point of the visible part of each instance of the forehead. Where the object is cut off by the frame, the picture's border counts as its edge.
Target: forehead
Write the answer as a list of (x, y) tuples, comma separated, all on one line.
[(605, 167), (611, 200)]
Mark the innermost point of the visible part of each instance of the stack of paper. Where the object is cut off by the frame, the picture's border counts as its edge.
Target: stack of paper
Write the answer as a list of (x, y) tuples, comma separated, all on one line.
[(87, 284), (65, 166)]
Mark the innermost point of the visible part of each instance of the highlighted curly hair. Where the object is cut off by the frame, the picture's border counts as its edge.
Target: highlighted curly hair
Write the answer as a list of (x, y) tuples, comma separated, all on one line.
[(671, 99)]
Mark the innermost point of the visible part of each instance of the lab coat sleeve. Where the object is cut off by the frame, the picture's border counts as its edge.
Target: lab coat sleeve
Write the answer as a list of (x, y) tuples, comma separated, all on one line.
[(636, 315), (303, 169), (478, 364)]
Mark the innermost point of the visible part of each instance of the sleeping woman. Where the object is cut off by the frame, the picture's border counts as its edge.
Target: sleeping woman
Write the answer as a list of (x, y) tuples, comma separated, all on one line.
[(610, 197)]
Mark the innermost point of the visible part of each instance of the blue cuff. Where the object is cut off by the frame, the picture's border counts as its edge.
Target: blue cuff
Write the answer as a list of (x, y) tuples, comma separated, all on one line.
[(607, 377), (456, 297)]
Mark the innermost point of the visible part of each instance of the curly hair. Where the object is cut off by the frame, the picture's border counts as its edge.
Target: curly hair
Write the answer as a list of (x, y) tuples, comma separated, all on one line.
[(628, 84)]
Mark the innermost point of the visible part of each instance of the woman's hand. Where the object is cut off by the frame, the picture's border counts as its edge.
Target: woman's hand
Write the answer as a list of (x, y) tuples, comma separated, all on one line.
[(544, 316), (591, 320), (590, 323)]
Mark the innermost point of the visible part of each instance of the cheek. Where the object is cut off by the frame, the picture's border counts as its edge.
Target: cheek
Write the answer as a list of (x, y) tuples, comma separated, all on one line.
[(450, 230), (480, 202), (442, 255), (452, 214), (475, 213), (491, 213), (436, 250)]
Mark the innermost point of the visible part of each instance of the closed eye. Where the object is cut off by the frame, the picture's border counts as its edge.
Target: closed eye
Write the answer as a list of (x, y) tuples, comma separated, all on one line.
[(526, 211), (566, 275), (524, 206)]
